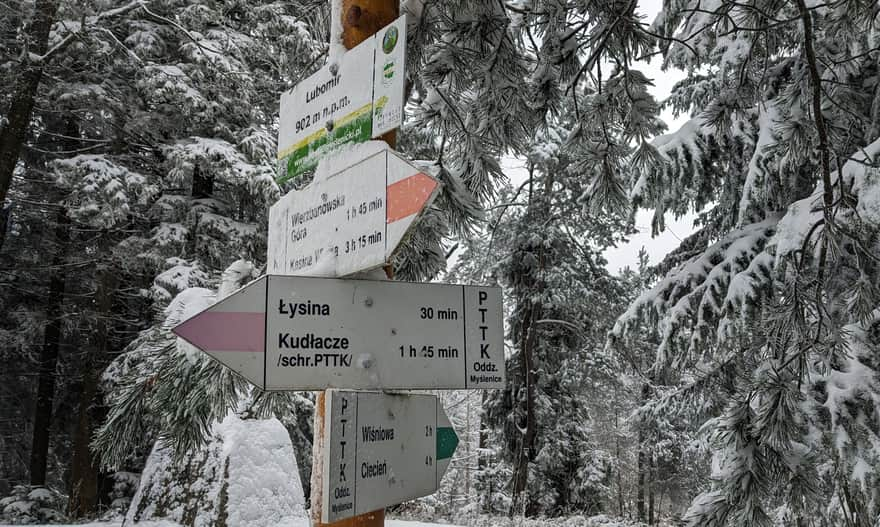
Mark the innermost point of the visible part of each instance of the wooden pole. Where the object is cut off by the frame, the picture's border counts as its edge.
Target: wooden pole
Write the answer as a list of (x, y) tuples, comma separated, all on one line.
[(361, 19)]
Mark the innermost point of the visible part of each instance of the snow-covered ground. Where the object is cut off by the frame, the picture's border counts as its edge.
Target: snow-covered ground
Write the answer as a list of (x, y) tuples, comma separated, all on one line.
[(305, 523)]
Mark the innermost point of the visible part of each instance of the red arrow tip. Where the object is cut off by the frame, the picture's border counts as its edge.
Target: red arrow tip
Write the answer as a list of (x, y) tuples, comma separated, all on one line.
[(408, 196), (225, 331)]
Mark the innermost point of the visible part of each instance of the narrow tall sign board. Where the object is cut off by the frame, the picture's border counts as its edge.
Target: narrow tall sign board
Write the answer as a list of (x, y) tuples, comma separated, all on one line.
[(351, 221), (382, 449), (352, 101), (302, 333)]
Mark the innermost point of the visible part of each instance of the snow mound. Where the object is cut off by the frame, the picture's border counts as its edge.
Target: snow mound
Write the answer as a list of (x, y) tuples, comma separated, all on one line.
[(32, 505), (263, 477), (246, 475)]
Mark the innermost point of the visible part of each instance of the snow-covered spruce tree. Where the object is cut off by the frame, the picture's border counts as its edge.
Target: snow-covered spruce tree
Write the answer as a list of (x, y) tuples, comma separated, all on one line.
[(544, 246), (70, 310), (93, 192), (487, 74), (38, 335), (604, 110), (656, 464), (769, 314), (168, 111), (466, 67)]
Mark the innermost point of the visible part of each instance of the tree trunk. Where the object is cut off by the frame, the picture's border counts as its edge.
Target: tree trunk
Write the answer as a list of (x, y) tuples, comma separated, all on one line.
[(659, 507), (640, 486), (525, 452), (202, 187), (483, 440), (619, 461), (85, 474), (651, 489), (203, 184), (18, 115), (467, 451), (483, 459), (531, 287), (49, 354), (643, 460), (83, 498)]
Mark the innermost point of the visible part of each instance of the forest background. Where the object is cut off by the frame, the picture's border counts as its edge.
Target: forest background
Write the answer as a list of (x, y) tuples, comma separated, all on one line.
[(733, 383)]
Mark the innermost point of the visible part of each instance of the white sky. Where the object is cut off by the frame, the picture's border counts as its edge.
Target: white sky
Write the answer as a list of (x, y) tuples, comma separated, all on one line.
[(676, 229)]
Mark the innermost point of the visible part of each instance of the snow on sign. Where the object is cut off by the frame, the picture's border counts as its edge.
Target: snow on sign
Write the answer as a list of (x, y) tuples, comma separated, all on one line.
[(384, 449), (351, 221), (305, 333), (350, 102)]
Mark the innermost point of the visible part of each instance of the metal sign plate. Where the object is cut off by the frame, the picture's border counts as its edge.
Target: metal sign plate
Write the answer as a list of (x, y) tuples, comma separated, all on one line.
[(383, 449), (350, 102), (350, 222), (303, 333)]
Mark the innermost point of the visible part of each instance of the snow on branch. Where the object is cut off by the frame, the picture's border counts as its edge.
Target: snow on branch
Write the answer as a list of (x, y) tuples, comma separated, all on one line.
[(663, 175), (758, 164), (694, 294), (700, 299), (102, 192), (225, 160), (76, 30), (852, 388)]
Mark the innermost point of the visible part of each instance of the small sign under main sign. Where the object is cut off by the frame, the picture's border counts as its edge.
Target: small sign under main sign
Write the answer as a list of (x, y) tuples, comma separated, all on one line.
[(384, 449)]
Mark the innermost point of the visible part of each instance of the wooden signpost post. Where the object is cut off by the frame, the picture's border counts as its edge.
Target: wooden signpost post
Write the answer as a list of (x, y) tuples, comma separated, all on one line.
[(361, 19), (304, 326)]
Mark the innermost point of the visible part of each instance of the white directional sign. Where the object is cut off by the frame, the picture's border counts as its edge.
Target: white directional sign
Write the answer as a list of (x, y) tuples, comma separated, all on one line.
[(302, 333), (349, 102), (351, 221), (384, 449)]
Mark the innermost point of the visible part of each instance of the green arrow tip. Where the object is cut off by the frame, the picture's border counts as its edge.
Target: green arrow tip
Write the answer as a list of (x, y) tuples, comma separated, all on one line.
[(447, 441)]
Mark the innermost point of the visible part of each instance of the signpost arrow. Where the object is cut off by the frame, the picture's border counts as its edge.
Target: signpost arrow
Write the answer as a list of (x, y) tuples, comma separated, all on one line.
[(353, 220), (304, 333), (383, 449)]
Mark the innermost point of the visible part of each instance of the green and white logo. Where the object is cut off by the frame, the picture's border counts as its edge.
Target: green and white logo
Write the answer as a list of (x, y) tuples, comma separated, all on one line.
[(379, 105), (388, 72), (389, 40)]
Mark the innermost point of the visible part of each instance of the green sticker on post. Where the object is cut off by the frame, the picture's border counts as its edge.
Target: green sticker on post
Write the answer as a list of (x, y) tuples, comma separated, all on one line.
[(389, 40)]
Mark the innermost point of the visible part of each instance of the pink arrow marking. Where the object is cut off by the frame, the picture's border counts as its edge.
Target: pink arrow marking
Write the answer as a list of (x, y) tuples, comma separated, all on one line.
[(225, 331), (408, 196)]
